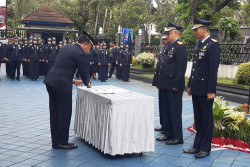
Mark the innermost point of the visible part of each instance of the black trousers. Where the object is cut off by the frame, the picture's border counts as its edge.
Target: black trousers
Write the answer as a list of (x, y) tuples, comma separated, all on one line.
[(112, 68), (103, 73), (118, 71), (8, 68), (125, 70), (50, 65), (171, 105), (160, 106), (204, 122), (15, 67), (60, 105), (34, 69)]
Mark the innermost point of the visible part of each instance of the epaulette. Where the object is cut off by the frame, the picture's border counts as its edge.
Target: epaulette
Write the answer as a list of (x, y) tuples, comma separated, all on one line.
[(180, 43), (214, 40)]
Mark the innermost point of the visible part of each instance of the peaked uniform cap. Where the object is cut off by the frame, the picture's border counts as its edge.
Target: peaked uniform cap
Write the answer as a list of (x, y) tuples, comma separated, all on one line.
[(87, 37), (200, 23), (171, 27)]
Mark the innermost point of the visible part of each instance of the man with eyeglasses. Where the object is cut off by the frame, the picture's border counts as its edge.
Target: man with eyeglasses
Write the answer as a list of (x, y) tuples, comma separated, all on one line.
[(171, 82)]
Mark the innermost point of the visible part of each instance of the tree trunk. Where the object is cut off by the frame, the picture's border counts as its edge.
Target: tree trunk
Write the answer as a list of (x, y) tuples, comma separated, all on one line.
[(104, 21), (96, 20), (110, 20), (121, 13), (193, 10)]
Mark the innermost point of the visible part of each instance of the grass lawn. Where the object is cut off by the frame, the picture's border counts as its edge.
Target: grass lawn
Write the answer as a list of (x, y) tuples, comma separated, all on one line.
[(220, 80)]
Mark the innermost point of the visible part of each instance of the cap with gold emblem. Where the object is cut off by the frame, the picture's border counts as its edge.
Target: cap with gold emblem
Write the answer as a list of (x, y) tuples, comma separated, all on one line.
[(200, 23)]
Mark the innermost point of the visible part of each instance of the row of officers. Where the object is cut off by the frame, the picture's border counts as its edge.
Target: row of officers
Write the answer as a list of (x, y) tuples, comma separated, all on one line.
[(101, 60), (169, 78), (37, 59)]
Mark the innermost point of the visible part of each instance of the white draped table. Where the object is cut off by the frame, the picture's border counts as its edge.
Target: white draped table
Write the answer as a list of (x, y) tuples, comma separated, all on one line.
[(115, 120)]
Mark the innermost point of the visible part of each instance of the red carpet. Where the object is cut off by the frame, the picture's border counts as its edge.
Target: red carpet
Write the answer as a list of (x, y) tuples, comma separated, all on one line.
[(233, 144)]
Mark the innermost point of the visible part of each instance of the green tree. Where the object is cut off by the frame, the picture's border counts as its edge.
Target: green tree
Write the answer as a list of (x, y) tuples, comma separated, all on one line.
[(187, 36), (230, 28), (246, 12), (186, 10)]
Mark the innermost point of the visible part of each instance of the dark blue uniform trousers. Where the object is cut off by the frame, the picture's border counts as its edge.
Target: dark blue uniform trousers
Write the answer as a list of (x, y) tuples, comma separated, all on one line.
[(34, 69), (204, 122), (160, 106), (60, 105), (171, 105), (112, 68), (118, 71), (15, 67), (103, 73)]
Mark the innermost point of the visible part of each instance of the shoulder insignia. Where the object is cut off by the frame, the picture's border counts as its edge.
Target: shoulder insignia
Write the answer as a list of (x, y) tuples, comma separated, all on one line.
[(214, 40), (180, 43)]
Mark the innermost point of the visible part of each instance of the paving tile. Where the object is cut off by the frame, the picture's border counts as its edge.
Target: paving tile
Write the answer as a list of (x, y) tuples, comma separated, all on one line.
[(182, 162), (25, 138)]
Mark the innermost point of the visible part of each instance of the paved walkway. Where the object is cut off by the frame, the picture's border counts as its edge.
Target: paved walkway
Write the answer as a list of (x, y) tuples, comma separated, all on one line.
[(25, 133)]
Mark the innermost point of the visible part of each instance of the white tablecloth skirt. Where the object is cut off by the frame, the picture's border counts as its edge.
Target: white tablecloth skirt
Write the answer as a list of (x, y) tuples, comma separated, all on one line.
[(114, 120)]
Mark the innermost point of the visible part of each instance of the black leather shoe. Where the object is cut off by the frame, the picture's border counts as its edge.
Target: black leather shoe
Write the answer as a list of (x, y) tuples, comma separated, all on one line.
[(202, 154), (163, 138), (67, 146), (174, 142), (18, 79), (190, 151), (158, 129)]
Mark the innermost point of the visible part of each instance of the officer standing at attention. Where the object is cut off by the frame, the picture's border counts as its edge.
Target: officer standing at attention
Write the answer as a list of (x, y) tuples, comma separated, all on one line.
[(59, 82), (1, 55), (202, 86), (28, 59), (118, 68), (172, 82), (15, 58), (7, 57), (53, 51), (34, 57), (43, 67), (114, 55), (95, 61), (155, 81), (24, 53), (103, 63), (125, 62)]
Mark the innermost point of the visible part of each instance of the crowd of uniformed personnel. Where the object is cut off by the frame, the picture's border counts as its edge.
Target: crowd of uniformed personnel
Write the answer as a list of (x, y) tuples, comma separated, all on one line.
[(37, 58)]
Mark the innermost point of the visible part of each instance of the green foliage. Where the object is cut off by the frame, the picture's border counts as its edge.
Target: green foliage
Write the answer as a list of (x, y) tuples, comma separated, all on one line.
[(243, 74), (155, 39), (186, 10), (230, 27), (246, 12), (187, 36), (147, 60)]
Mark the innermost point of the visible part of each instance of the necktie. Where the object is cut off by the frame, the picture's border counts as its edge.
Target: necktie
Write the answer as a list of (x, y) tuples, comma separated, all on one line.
[(199, 44)]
